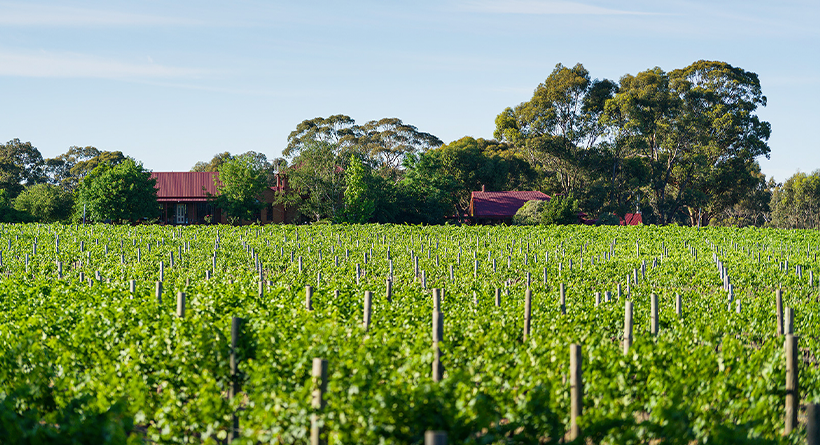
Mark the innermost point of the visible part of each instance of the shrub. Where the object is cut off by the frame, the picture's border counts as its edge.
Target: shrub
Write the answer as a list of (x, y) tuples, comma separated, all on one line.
[(530, 213), (560, 210), (47, 203)]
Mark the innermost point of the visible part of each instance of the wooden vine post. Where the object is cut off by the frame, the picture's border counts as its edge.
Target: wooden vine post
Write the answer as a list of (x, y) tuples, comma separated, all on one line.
[(181, 304), (320, 387), (576, 389), (368, 302), (527, 312), (627, 326), (563, 299), (309, 298), (813, 424), (236, 387), (788, 321), (438, 335), (779, 308), (678, 305), (435, 438), (792, 383), (653, 326)]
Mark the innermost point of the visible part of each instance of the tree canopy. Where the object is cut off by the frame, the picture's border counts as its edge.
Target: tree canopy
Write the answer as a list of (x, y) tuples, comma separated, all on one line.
[(21, 165), (239, 185), (124, 192), (682, 145), (69, 169), (45, 202)]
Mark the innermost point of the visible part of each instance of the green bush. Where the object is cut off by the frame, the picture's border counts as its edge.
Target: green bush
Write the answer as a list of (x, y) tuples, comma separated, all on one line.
[(45, 202), (558, 210), (9, 214), (561, 210), (530, 213)]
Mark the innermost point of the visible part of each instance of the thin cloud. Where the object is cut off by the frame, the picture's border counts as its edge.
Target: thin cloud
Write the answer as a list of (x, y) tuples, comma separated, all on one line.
[(22, 14), (73, 65), (535, 7)]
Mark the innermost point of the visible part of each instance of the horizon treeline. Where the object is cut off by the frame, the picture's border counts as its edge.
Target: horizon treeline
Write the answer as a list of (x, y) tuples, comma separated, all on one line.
[(679, 147)]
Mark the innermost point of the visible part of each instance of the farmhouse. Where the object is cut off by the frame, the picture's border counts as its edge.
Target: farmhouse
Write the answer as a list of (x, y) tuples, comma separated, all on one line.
[(500, 207), (183, 197)]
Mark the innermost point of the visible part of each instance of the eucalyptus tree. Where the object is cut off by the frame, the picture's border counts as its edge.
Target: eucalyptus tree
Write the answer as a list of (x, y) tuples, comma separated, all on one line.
[(696, 131), (68, 169), (21, 165), (382, 143), (558, 128)]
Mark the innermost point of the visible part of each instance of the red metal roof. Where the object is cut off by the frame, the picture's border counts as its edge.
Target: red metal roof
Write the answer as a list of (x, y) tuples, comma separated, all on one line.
[(501, 204), (632, 219), (184, 186)]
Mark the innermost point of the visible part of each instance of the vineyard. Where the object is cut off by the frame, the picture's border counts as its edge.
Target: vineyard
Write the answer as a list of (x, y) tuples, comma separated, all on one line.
[(209, 334)]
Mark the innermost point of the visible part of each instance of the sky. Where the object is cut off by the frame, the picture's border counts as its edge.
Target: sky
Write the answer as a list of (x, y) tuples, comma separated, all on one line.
[(173, 83)]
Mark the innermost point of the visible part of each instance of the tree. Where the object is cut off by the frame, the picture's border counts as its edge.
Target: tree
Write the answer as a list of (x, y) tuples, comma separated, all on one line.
[(9, 214), (427, 193), (692, 127), (21, 165), (558, 210), (558, 128), (358, 200), (45, 202), (530, 213), (796, 204), (382, 144), (474, 163), (719, 102), (337, 131), (388, 141), (749, 209), (316, 179), (68, 169), (214, 165), (124, 192), (239, 186)]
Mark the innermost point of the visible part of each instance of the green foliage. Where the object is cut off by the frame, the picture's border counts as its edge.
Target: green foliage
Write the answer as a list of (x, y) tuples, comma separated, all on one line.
[(530, 213), (241, 181), (560, 210), (125, 192), (796, 204), (697, 130), (46, 202), (21, 165), (214, 164), (359, 205), (683, 144), (383, 143), (316, 180), (608, 219), (69, 169), (9, 214), (98, 364), (558, 129), (428, 191), (477, 163)]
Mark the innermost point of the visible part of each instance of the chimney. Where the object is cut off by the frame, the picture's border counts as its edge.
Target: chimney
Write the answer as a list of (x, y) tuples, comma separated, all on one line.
[(482, 187)]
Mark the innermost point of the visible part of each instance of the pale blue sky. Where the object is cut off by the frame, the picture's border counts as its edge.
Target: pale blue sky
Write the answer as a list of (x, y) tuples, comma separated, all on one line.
[(172, 83)]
